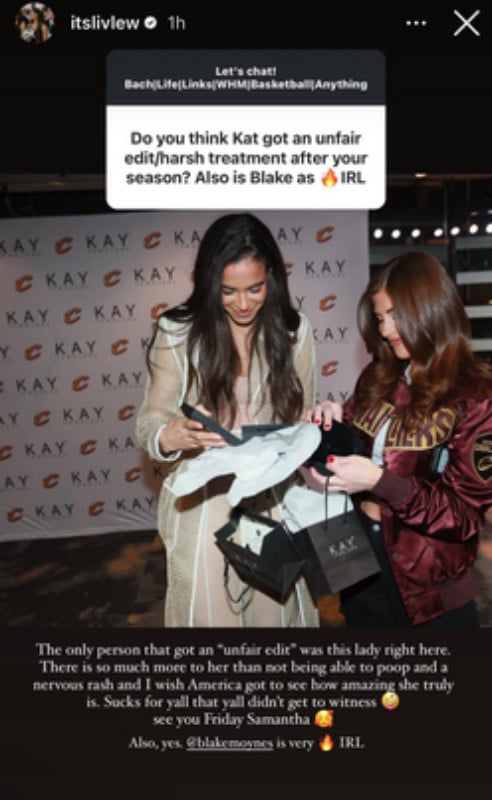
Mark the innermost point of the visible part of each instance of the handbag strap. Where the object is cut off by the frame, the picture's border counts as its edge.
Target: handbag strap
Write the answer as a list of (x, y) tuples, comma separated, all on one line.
[(325, 492)]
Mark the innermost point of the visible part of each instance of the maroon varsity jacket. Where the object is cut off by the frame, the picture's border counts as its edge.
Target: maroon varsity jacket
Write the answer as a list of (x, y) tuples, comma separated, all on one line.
[(430, 520)]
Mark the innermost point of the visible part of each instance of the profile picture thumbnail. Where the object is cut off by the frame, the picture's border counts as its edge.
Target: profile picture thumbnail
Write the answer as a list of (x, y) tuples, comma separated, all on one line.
[(34, 23)]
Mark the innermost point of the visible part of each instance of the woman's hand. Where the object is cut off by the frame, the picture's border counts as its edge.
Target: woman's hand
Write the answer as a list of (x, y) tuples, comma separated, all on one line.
[(183, 433), (324, 413), (350, 474)]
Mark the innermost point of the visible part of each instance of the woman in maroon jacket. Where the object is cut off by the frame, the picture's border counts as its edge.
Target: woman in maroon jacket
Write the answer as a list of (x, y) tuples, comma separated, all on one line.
[(424, 408)]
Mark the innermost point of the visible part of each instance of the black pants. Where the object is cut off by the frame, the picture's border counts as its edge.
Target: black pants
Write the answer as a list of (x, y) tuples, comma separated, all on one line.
[(375, 602)]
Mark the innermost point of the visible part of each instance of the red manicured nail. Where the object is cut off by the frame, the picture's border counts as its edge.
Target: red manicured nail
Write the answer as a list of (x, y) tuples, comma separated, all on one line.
[(317, 421), (327, 426), (330, 459)]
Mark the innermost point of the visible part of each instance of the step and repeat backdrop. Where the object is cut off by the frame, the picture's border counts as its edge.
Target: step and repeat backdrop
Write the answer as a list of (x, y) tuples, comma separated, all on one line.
[(79, 297)]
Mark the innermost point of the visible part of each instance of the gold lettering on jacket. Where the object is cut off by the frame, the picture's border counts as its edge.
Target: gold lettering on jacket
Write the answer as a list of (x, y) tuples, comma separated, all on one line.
[(374, 418), (431, 433)]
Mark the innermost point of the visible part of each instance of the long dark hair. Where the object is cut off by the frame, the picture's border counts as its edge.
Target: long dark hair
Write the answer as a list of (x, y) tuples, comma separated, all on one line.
[(228, 240), (435, 329)]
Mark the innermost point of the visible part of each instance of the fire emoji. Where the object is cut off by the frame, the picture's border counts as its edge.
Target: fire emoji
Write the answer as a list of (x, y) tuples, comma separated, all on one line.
[(326, 743), (329, 179), (324, 718)]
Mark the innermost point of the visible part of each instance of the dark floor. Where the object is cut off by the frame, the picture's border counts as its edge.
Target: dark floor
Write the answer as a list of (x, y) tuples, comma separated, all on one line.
[(118, 580)]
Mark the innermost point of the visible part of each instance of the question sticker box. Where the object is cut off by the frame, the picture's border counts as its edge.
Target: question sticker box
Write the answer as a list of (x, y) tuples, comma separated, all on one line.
[(200, 129)]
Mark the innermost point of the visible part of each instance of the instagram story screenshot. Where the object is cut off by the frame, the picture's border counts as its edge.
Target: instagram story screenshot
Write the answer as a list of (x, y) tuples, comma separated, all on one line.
[(245, 398)]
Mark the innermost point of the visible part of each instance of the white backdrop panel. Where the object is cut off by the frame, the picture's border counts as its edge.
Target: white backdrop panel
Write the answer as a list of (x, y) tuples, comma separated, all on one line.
[(78, 298)]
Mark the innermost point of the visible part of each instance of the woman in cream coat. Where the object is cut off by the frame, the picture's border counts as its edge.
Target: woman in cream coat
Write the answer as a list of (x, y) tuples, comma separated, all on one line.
[(239, 351)]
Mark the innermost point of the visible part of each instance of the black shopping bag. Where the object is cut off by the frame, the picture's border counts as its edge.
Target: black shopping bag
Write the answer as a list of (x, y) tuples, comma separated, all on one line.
[(337, 553), (276, 565)]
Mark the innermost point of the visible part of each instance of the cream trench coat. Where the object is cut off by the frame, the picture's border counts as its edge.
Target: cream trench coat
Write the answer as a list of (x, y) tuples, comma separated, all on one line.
[(196, 595)]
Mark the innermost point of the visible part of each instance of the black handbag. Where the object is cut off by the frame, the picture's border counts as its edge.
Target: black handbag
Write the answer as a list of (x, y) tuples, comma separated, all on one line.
[(277, 563)]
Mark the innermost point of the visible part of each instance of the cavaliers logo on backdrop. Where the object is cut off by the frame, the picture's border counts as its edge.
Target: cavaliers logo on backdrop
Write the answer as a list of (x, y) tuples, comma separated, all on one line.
[(6, 452), (33, 352), (97, 508), (329, 368), (152, 240), (112, 278), (63, 245), (156, 311), (119, 347), (41, 418), (51, 481), (88, 447), (15, 514), (482, 457), (24, 283), (328, 302), (81, 383), (72, 316), (133, 474), (126, 413), (325, 234)]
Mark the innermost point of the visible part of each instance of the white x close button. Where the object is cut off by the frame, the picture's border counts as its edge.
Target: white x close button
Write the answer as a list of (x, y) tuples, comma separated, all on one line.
[(466, 22)]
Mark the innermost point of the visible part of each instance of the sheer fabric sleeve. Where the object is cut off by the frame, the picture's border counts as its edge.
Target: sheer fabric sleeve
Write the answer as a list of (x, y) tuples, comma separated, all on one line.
[(305, 363), (164, 390)]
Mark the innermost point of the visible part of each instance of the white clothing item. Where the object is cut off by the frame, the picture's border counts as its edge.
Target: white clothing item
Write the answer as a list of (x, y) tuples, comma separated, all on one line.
[(260, 463), (302, 506)]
